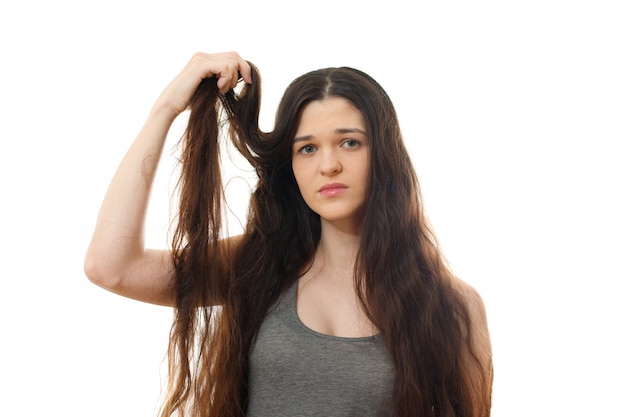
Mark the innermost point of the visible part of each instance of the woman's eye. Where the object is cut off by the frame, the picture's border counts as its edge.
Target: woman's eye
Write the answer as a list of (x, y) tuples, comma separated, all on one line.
[(307, 149), (351, 143)]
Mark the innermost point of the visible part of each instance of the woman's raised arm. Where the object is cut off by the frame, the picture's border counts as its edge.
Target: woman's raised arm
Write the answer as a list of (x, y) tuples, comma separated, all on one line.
[(117, 258)]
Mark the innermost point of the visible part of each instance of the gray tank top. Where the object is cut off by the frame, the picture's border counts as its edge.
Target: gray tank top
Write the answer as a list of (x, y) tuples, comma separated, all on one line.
[(295, 371)]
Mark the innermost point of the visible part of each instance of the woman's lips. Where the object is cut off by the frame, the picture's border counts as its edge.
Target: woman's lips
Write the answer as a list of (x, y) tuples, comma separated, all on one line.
[(332, 190)]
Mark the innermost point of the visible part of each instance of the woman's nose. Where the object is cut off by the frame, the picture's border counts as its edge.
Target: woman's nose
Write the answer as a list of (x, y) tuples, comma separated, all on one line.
[(330, 164)]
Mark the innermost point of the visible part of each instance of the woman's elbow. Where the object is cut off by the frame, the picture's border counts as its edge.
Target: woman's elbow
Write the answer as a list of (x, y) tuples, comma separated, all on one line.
[(100, 272)]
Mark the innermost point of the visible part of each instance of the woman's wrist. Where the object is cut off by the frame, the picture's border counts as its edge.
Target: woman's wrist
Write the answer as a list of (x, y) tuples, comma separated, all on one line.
[(163, 111)]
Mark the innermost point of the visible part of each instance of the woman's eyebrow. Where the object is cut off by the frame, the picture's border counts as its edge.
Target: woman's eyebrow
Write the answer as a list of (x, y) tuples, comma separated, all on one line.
[(340, 131), (302, 138), (350, 130)]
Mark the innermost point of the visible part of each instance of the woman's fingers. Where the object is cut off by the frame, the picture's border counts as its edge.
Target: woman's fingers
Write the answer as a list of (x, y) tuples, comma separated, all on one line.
[(245, 71), (227, 67)]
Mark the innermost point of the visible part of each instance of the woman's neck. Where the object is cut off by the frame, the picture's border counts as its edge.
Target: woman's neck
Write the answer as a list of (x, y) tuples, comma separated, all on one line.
[(336, 253)]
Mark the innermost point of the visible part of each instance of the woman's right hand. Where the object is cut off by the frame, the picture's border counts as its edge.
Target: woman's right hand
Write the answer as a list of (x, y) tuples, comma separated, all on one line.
[(228, 67)]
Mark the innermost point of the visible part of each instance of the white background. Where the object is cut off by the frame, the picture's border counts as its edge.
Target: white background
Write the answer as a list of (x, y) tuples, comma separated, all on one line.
[(514, 113)]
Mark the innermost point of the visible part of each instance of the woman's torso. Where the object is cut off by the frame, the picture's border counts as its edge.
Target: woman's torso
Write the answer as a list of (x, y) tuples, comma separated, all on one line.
[(296, 371)]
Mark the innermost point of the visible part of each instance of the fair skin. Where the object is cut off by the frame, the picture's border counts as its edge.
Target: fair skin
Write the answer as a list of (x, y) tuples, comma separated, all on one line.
[(330, 161)]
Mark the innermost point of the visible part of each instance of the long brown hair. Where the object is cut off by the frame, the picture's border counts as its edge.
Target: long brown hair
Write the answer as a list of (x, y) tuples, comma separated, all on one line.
[(223, 293)]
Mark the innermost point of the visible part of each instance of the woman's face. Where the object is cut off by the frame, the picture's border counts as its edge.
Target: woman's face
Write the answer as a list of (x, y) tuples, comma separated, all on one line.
[(330, 160)]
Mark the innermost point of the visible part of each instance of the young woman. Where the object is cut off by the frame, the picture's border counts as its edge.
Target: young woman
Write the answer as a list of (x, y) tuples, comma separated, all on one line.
[(336, 300)]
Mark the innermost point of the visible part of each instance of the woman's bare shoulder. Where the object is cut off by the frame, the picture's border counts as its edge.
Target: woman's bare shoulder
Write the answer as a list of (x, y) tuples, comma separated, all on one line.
[(473, 299), (478, 317), (480, 358)]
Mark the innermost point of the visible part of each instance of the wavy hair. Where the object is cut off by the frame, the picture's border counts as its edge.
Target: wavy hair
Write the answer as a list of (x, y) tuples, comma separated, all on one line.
[(224, 291)]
